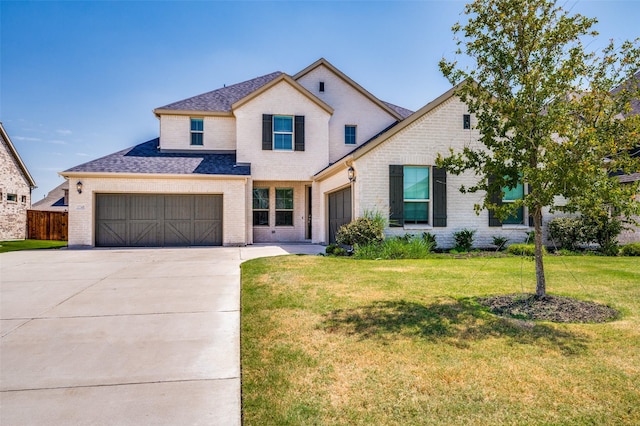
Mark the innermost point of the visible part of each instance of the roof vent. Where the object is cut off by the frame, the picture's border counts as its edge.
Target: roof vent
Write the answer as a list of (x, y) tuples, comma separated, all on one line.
[(322, 86)]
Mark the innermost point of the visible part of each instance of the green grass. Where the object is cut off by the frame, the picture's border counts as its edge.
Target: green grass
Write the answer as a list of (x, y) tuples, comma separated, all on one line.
[(334, 341), (6, 246)]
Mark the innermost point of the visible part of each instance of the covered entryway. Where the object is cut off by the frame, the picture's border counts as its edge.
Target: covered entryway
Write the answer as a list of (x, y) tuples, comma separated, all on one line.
[(158, 220), (339, 211)]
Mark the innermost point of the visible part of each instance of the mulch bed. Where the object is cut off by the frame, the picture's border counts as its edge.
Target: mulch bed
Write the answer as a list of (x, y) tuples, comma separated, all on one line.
[(549, 308)]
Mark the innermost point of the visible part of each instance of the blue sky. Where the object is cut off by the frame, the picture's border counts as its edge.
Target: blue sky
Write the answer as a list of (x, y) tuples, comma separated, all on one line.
[(79, 80)]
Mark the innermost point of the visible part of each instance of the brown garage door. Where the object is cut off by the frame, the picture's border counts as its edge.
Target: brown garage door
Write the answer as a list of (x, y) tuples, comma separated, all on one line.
[(158, 220), (339, 211)]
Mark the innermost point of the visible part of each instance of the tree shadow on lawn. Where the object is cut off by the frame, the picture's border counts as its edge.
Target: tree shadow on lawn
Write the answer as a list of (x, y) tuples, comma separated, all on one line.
[(454, 322)]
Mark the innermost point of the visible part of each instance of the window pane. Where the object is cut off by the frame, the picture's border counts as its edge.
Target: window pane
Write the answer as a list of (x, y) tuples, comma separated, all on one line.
[(284, 198), (282, 141), (516, 193), (197, 125), (416, 212), (350, 135), (284, 218), (282, 123), (261, 218), (196, 139), (261, 198), (517, 218), (416, 183)]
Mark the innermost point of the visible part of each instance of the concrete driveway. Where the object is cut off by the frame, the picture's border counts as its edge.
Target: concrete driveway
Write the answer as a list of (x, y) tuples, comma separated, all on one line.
[(123, 336)]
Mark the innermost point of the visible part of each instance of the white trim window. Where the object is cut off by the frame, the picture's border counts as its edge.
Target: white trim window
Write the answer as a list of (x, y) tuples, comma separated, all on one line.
[(283, 132), (197, 131)]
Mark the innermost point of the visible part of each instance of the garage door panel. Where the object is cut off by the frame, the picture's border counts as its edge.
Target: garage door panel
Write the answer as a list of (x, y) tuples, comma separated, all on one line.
[(158, 220), (144, 233), (112, 233)]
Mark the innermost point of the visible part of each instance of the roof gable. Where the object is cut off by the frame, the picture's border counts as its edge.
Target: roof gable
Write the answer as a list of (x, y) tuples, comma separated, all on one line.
[(286, 79), (14, 153), (395, 111)]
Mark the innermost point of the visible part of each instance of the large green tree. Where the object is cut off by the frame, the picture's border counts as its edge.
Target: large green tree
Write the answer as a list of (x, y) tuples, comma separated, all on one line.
[(550, 114)]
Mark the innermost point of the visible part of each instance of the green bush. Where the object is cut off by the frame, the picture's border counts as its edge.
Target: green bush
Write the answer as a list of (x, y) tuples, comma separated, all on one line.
[(632, 249), (500, 242), (566, 232), (430, 238), (364, 230), (339, 251), (524, 250), (463, 239), (330, 248), (602, 228), (404, 247)]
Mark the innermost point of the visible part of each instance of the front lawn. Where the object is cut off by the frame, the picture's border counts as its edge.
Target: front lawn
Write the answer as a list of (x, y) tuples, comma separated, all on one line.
[(335, 341), (6, 246)]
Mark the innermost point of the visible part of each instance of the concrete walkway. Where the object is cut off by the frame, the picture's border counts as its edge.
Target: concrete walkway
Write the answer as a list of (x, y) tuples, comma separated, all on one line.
[(123, 336)]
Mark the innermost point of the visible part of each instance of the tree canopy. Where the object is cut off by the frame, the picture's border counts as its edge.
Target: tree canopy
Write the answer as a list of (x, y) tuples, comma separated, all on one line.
[(550, 114)]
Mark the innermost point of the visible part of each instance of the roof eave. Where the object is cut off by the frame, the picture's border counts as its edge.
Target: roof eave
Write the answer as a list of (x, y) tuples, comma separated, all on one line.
[(117, 175), (192, 113)]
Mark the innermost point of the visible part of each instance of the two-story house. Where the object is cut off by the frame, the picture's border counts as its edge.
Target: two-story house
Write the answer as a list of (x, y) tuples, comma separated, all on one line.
[(283, 158)]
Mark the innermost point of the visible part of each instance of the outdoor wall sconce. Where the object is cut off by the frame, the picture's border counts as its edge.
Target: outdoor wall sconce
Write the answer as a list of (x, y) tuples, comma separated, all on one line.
[(79, 187), (352, 174)]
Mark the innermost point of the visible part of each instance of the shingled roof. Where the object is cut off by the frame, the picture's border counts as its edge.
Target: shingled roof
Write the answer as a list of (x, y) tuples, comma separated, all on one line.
[(146, 158), (220, 100)]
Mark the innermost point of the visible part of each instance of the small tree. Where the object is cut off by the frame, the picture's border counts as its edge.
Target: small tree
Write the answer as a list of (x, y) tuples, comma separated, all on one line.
[(545, 108)]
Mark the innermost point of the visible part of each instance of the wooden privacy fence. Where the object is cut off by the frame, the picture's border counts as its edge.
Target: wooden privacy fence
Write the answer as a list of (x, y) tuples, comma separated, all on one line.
[(43, 225)]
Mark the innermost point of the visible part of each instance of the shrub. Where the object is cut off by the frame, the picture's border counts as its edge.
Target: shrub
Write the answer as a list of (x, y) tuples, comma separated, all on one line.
[(362, 231), (339, 251), (604, 230), (431, 239), (566, 232), (404, 247), (632, 249), (330, 248), (463, 239), (524, 250), (500, 242)]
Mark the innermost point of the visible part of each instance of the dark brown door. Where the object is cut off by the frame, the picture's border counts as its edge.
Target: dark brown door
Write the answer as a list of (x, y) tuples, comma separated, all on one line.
[(339, 211)]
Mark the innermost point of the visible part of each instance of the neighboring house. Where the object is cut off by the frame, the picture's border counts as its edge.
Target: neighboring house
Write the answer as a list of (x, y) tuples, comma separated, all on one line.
[(283, 158), (16, 184), (57, 200)]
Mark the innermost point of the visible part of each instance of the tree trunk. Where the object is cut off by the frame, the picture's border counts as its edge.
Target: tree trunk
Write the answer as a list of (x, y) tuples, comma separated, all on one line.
[(541, 283)]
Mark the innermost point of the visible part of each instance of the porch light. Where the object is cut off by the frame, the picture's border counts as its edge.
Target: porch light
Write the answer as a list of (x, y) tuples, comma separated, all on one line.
[(79, 187), (352, 174)]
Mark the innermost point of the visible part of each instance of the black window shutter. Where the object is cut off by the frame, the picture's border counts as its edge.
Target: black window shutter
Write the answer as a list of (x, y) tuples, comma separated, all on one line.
[(439, 197), (267, 132), (299, 132), (396, 195), (496, 198)]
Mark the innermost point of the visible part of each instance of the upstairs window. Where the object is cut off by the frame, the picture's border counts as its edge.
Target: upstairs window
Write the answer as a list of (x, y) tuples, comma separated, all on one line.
[(321, 88), (349, 135), (282, 132), (23, 199), (12, 197), (261, 206), (197, 131), (284, 206), (466, 121)]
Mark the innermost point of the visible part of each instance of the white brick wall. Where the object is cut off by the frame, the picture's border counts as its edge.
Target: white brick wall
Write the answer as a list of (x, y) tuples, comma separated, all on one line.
[(419, 144), (282, 99), (351, 107), (13, 214), (219, 133), (81, 206)]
